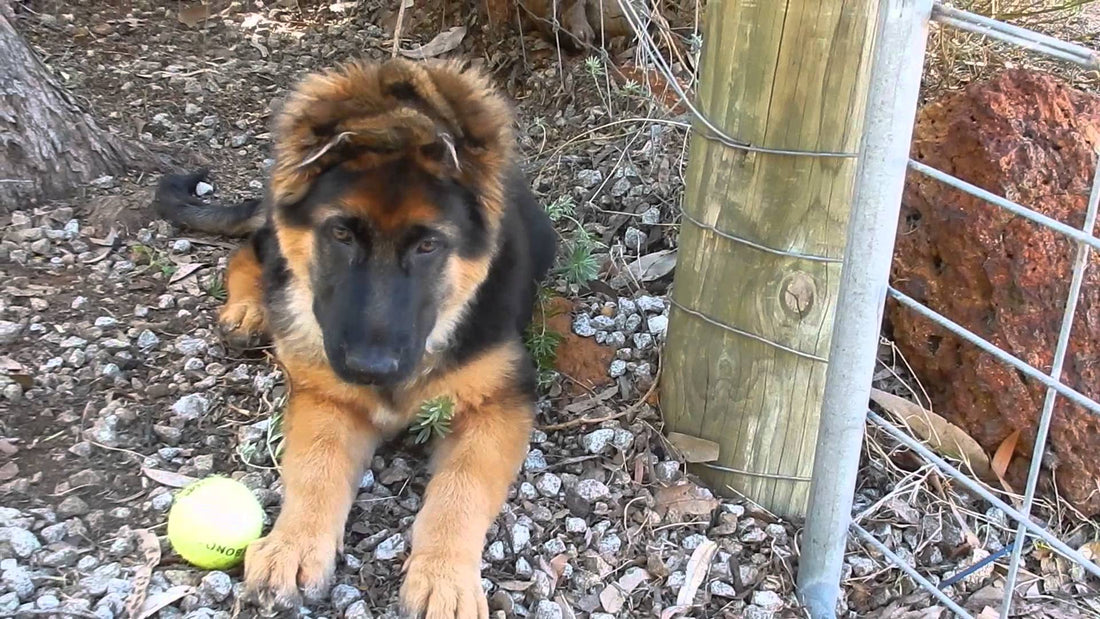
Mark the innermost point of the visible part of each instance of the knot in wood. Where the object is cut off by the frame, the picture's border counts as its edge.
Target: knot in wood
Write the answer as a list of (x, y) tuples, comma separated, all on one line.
[(797, 294)]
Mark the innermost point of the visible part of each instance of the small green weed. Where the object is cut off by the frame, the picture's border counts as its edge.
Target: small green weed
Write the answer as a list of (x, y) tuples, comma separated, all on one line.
[(143, 254), (433, 418), (579, 265), (561, 208), (214, 287)]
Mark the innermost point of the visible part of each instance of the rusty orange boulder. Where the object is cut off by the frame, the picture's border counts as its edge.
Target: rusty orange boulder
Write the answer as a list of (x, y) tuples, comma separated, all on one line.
[(1033, 139)]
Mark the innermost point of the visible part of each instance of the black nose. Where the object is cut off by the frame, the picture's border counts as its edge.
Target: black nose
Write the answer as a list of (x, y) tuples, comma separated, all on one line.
[(373, 364)]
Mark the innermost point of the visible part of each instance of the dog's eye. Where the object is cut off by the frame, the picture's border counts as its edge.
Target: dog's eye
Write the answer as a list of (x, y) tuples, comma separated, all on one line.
[(341, 234), (427, 246)]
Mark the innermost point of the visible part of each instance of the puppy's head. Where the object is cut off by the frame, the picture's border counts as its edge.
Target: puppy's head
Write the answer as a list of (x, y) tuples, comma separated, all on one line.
[(388, 197)]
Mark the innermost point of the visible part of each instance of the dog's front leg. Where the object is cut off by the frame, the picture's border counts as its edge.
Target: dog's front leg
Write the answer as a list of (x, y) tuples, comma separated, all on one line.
[(326, 447), (474, 465)]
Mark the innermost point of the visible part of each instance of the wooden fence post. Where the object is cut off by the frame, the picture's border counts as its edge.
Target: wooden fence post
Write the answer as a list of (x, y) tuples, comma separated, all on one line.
[(778, 74)]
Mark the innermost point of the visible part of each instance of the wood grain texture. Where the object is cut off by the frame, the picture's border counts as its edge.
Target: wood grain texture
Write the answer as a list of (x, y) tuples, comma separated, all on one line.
[(789, 74)]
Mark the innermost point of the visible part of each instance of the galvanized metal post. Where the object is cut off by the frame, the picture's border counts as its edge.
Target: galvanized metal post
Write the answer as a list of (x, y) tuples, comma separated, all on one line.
[(880, 178)]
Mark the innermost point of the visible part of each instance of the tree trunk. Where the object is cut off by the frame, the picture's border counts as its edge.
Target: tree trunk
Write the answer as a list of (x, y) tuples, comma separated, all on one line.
[(48, 145)]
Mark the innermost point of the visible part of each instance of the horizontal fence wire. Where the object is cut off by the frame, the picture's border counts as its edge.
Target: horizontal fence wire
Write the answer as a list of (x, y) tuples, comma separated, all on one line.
[(977, 488), (1070, 393), (1020, 37), (1008, 205), (928, 585)]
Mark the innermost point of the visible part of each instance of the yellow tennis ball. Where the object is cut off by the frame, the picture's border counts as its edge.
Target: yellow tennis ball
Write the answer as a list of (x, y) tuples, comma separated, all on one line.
[(213, 520)]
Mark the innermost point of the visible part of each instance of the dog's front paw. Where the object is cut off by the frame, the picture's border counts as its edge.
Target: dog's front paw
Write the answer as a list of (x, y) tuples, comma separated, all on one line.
[(279, 568), (441, 587), (243, 323)]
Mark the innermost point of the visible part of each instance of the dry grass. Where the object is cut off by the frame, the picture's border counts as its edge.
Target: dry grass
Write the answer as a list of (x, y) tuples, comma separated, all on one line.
[(956, 58)]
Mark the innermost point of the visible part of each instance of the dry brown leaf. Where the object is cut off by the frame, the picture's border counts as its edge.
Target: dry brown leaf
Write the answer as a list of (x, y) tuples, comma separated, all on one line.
[(942, 436), (186, 270), (156, 602), (648, 268), (515, 585), (167, 478), (442, 43), (150, 555), (687, 499), (694, 449), (1003, 457), (191, 15), (612, 599), (696, 570), (9, 471)]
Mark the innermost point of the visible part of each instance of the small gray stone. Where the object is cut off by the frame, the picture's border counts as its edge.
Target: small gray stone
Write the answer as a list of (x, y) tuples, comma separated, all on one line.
[(554, 546), (62, 557), (366, 482), (239, 140), (632, 324), (390, 548), (203, 188), (18, 579), (722, 589), (693, 541), (642, 341), (535, 461), (609, 544), (496, 551), (147, 339), (358, 610), (22, 542), (603, 323), (548, 485), (343, 596), (54, 533), (768, 600), (861, 566), (72, 506), (616, 339), (519, 535), (191, 406), (591, 490), (582, 326), (9, 602), (651, 216), (634, 239), (217, 585), (47, 602), (191, 346), (181, 246), (651, 304), (528, 492), (589, 178), (575, 525), (547, 609), (161, 502), (9, 331), (658, 325), (597, 441), (617, 368), (667, 472), (523, 568)]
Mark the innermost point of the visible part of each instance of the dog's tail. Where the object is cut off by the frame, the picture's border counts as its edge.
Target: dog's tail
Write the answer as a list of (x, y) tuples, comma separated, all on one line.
[(176, 201)]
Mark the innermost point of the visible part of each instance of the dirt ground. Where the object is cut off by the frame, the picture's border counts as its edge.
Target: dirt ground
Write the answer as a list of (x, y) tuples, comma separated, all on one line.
[(116, 388)]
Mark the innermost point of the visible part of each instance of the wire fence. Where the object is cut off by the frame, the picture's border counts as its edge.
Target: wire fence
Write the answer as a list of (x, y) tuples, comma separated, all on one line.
[(884, 161)]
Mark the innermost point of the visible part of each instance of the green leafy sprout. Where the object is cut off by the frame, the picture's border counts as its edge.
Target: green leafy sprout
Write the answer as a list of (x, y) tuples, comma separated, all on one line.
[(433, 419)]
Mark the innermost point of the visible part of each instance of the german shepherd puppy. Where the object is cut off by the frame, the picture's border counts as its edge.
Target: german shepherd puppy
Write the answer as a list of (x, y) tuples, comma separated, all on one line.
[(395, 259)]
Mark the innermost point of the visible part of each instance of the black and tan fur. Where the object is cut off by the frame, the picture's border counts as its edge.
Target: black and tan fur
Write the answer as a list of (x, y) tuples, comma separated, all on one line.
[(379, 168)]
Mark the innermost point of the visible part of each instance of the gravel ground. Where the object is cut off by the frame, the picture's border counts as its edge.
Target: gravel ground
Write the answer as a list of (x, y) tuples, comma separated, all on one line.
[(115, 388)]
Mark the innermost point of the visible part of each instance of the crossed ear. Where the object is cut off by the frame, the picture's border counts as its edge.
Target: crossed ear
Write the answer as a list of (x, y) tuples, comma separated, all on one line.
[(441, 116)]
